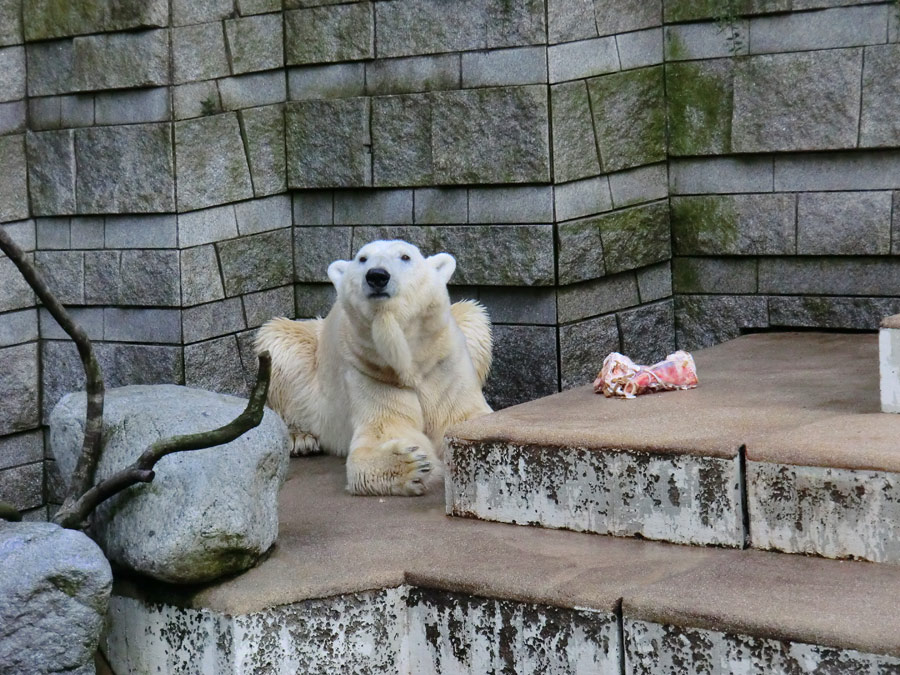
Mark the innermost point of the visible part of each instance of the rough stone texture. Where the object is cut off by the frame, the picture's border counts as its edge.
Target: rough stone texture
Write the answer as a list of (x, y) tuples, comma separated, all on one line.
[(200, 277), (839, 27), (120, 60), (45, 19), (722, 175), (260, 307), (326, 143), (18, 327), (582, 198), (506, 255), (811, 101), (22, 486), (627, 16), (574, 145), (524, 65), (19, 382), (878, 126), (253, 89), (12, 73), (13, 180), (830, 312), (714, 275), (21, 449), (54, 591), (600, 296), (677, 498), (17, 294), (256, 262), (586, 58), (198, 53), (200, 11), (491, 135), (831, 512), (209, 225), (705, 320), (313, 300), (648, 332), (454, 632), (234, 486), (580, 251), (10, 22), (212, 320), (421, 73), (844, 223), (636, 186), (570, 20), (762, 224), (216, 365), (828, 276), (524, 365), (432, 26), (139, 277), (635, 237), (326, 34), (629, 117), (582, 348), (212, 165), (437, 206), (255, 43), (264, 131), (534, 306), (315, 248), (655, 282), (402, 140), (511, 205), (365, 207), (64, 273), (145, 105), (660, 649), (125, 169), (51, 172), (122, 364), (699, 106)]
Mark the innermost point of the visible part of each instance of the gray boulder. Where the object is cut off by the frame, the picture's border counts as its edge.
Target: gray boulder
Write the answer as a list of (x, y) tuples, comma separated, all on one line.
[(54, 591), (208, 513)]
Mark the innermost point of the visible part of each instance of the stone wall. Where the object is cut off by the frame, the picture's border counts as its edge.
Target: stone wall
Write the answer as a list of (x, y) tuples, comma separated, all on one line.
[(185, 170), (784, 170)]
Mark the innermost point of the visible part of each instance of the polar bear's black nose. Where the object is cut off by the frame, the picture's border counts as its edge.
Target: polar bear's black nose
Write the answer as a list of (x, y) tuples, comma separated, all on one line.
[(378, 277)]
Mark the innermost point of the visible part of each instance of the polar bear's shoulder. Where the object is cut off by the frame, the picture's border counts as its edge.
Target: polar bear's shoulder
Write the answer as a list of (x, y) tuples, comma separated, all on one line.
[(472, 319)]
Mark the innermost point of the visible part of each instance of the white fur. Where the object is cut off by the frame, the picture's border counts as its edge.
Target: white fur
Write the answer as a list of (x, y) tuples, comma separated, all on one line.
[(381, 378)]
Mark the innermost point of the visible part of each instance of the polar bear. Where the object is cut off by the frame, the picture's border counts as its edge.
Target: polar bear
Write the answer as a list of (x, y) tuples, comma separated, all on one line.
[(382, 376)]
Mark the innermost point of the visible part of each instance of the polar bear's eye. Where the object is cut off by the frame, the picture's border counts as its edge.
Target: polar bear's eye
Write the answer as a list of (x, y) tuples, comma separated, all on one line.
[(362, 258), (404, 258)]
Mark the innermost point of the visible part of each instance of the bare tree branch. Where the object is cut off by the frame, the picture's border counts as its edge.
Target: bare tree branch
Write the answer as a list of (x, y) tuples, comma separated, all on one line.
[(141, 471), (9, 512), (83, 476)]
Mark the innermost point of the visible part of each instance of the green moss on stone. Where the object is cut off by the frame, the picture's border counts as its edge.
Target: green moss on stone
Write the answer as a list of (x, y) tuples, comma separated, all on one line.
[(635, 237), (704, 225), (700, 104), (629, 117)]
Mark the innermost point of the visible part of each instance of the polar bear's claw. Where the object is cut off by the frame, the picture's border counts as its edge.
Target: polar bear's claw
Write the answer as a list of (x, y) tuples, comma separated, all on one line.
[(303, 444)]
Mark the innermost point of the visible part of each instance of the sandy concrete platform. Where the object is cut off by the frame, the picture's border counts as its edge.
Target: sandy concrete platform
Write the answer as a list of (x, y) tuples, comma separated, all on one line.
[(753, 391), (333, 544)]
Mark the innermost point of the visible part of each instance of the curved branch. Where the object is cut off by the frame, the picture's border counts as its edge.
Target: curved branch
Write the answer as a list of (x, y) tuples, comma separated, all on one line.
[(141, 471), (83, 476)]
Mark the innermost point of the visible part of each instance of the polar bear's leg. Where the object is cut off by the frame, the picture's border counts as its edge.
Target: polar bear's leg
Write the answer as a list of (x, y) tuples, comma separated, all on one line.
[(401, 466)]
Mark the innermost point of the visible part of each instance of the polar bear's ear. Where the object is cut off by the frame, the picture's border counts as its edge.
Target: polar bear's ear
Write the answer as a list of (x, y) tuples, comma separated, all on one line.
[(336, 271), (444, 264)]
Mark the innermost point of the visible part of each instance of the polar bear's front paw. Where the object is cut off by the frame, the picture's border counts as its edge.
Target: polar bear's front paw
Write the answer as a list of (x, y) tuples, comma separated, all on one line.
[(395, 468), (303, 443)]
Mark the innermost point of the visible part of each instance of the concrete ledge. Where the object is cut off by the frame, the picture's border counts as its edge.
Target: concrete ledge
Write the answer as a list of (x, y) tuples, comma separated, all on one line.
[(680, 498), (889, 363)]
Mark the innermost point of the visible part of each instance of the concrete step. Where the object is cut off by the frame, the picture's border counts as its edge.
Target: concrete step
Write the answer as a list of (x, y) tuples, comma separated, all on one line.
[(782, 446), (391, 585)]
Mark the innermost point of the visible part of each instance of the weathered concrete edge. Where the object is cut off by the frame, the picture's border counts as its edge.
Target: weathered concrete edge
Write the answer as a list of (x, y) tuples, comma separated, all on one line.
[(712, 634), (526, 438), (461, 501)]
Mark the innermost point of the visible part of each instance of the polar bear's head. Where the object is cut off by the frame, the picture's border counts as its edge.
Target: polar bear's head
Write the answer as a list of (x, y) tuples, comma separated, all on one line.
[(388, 273)]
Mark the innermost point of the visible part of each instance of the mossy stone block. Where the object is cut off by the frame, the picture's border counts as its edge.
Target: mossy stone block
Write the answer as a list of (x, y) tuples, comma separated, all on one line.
[(125, 169), (574, 146), (635, 237), (47, 19), (401, 140), (330, 33), (491, 135), (264, 131), (580, 254), (13, 178), (212, 164), (700, 101), (629, 117), (762, 224), (327, 143)]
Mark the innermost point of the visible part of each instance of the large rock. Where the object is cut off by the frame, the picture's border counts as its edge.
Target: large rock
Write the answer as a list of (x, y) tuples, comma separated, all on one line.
[(54, 591), (208, 513)]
